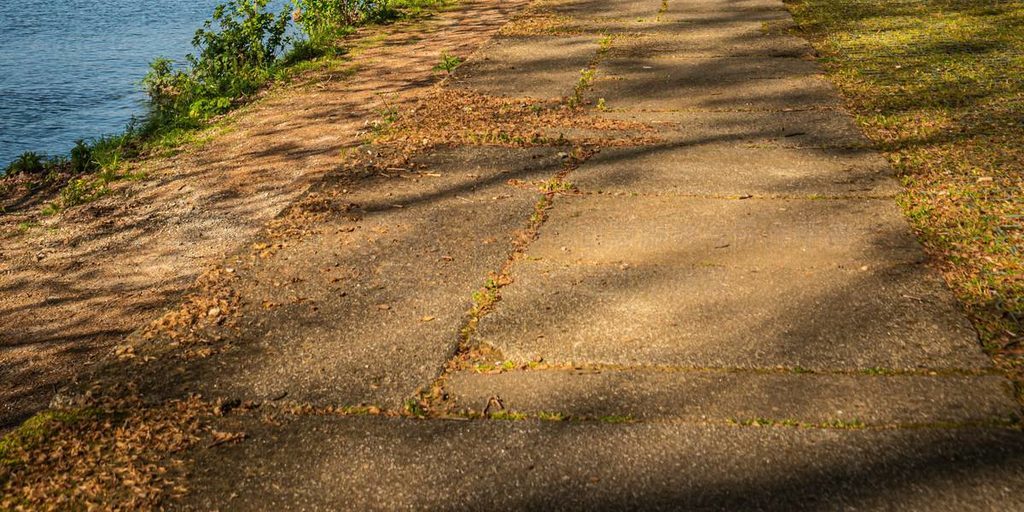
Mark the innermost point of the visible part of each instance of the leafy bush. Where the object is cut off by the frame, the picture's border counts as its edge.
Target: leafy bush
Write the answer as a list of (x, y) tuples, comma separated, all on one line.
[(236, 52), (237, 48), (27, 163), (82, 160), (325, 20)]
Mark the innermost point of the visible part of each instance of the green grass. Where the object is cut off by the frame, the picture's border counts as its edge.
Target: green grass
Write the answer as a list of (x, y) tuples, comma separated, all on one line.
[(937, 85)]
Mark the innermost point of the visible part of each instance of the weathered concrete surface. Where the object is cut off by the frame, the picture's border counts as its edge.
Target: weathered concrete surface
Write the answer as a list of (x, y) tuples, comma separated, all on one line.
[(75, 287), (719, 396), (724, 8), (678, 309), (810, 129), (727, 283), (681, 69), (369, 464), (725, 83), (712, 43), (691, 167), (708, 37), (542, 67), (750, 234), (367, 307)]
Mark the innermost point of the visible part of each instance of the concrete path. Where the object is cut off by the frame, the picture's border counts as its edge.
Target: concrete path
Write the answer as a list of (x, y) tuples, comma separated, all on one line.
[(730, 312)]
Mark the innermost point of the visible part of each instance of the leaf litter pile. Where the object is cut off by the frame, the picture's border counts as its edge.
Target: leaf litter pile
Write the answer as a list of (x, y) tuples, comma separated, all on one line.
[(451, 116), (114, 454)]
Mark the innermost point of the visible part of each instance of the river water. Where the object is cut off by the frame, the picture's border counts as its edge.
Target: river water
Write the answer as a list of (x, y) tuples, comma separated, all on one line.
[(72, 69)]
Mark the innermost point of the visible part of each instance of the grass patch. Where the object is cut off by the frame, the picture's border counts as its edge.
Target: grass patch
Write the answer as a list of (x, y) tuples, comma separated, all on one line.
[(507, 416), (936, 85)]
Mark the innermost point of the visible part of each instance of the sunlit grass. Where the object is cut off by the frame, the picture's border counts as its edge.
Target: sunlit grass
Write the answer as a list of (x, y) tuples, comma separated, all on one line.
[(938, 86)]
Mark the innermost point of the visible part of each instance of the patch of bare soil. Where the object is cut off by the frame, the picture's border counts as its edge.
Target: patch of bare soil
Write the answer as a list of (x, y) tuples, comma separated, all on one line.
[(80, 281)]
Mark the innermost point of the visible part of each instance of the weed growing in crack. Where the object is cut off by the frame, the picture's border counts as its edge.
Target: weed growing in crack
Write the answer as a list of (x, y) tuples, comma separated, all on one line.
[(876, 371), (415, 408), (551, 416), (586, 79), (507, 416), (557, 184)]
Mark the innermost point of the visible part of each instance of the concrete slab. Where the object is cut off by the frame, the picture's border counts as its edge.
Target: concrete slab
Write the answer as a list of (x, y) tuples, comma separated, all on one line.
[(720, 396), (703, 166), (717, 283), (367, 307), (816, 129), (650, 90), (364, 463), (750, 234), (708, 38), (705, 71), (679, 309), (541, 67)]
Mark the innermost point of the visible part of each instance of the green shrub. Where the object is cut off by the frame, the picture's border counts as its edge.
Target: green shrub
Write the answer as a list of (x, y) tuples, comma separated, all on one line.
[(321, 20), (110, 151), (325, 20), (236, 52), (237, 48), (27, 163), (205, 108), (81, 158)]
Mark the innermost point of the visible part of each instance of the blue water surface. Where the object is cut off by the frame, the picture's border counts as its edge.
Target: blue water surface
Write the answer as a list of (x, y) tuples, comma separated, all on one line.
[(72, 69)]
